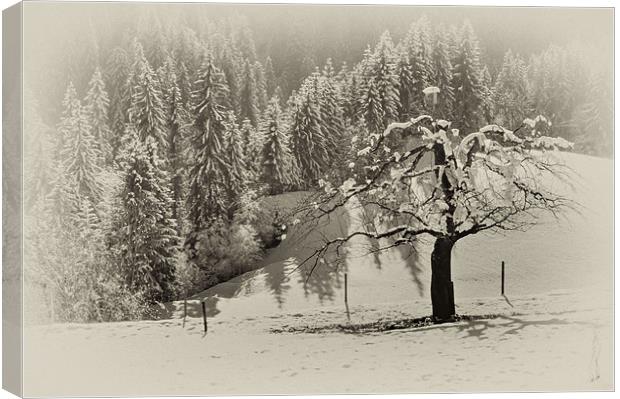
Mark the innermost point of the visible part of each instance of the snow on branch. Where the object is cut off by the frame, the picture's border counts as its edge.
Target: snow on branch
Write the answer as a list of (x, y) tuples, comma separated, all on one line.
[(492, 179)]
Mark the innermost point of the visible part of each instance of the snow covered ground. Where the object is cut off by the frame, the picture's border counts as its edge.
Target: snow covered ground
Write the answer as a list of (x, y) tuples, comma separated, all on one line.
[(557, 335), (552, 342)]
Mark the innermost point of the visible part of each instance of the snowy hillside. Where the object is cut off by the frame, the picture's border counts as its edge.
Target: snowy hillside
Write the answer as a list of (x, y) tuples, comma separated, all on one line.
[(569, 253)]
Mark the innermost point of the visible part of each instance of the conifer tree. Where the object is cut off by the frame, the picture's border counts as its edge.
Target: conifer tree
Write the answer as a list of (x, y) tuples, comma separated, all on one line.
[(380, 97), (176, 118), (278, 169), (510, 92), (96, 107), (207, 170), (332, 113), (270, 77), (595, 119), (453, 41), (188, 51), (550, 80), (145, 240), (79, 155), (117, 74), (185, 85), (157, 51), (261, 86), (236, 173), (147, 110), (417, 47), (467, 77), (231, 69), (442, 77), (61, 202), (249, 95), (252, 148), (406, 83), (308, 143), (359, 83), (136, 70), (279, 94), (346, 80), (244, 41), (71, 109), (487, 107)]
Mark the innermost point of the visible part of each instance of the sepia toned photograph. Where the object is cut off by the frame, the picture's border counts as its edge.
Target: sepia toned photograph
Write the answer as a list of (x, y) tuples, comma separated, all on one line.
[(306, 199)]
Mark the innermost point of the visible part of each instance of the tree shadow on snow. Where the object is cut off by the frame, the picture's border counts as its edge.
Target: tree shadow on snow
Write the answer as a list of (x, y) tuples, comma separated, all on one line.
[(477, 328), (472, 326)]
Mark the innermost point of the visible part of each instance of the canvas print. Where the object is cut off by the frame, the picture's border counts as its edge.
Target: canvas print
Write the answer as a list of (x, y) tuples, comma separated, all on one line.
[(233, 199)]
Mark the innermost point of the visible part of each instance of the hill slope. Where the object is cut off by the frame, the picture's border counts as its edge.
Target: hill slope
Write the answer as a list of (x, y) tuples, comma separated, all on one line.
[(556, 254)]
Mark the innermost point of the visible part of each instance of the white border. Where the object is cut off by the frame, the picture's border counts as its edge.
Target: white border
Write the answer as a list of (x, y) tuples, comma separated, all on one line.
[(490, 3)]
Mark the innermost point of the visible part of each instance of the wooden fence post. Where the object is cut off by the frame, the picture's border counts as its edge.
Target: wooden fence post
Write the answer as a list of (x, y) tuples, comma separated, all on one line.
[(346, 295), (346, 288), (204, 315), (503, 276)]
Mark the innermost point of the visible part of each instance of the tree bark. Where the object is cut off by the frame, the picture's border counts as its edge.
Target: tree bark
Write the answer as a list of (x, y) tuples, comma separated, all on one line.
[(442, 289)]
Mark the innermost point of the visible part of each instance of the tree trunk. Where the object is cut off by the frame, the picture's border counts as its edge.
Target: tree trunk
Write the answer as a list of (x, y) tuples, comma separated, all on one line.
[(442, 289)]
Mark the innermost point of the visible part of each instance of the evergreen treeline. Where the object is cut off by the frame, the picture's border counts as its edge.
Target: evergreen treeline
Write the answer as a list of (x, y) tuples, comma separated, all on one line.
[(146, 189)]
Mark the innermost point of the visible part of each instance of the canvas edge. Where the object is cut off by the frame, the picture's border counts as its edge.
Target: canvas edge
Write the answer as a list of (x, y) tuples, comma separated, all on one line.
[(12, 196)]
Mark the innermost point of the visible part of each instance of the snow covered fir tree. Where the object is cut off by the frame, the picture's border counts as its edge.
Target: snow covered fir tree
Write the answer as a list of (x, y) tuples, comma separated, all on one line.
[(209, 187)]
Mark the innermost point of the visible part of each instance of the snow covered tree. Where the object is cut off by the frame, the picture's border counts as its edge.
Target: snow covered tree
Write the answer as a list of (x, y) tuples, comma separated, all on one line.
[(380, 98), (117, 75), (487, 106), (278, 169), (236, 173), (61, 201), (71, 109), (280, 94), (79, 155), (137, 68), (248, 97), (308, 142), (510, 92), (595, 119), (347, 80), (261, 86), (232, 70), (147, 111), (467, 80), (177, 117), (406, 86), (558, 87), (442, 77), (185, 85), (252, 142), (416, 48), (243, 39), (448, 188), (332, 113), (270, 77), (96, 107), (208, 165), (144, 238)]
